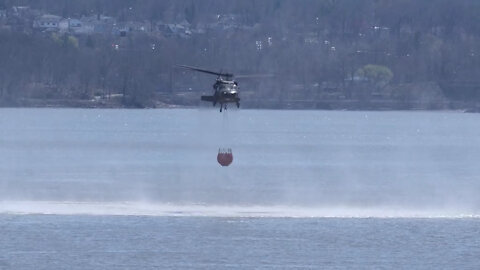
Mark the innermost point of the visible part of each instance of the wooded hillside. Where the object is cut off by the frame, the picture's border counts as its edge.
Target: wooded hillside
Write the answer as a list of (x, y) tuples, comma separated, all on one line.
[(326, 52)]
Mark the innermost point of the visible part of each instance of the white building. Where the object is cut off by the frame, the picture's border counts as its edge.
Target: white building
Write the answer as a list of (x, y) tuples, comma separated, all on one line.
[(76, 26), (99, 24), (47, 22)]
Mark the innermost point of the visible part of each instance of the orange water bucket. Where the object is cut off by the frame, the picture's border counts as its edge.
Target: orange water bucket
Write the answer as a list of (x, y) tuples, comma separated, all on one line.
[(225, 156)]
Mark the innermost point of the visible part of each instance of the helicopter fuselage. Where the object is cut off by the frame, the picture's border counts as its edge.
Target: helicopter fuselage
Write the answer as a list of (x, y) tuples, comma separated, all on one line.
[(226, 91)]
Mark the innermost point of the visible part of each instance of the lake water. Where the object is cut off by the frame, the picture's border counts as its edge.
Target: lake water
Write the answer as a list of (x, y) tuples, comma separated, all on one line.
[(141, 189)]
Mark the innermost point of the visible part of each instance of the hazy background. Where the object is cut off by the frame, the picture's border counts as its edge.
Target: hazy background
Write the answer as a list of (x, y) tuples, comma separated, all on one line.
[(326, 54)]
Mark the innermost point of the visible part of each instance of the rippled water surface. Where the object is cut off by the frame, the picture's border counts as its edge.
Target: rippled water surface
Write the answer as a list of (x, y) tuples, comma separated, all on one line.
[(140, 189)]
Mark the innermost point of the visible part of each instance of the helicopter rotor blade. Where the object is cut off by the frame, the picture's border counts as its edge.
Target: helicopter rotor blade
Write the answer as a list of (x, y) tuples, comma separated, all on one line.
[(255, 76), (228, 75)]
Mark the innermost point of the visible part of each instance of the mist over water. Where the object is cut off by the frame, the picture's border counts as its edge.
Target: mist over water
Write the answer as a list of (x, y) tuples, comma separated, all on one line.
[(286, 163)]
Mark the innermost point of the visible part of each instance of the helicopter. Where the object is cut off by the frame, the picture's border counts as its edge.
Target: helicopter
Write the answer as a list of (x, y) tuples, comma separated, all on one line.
[(226, 89)]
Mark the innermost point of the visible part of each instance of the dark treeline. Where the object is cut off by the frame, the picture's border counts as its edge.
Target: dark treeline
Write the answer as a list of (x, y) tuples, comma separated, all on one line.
[(317, 49)]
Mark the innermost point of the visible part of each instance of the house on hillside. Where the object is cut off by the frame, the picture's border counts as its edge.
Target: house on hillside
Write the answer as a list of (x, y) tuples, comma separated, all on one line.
[(227, 21), (181, 29), (20, 18), (47, 22), (120, 29), (101, 24), (20, 11), (76, 26), (87, 25)]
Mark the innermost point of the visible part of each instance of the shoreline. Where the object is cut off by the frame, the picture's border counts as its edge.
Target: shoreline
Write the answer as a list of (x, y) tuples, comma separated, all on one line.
[(325, 105), (183, 107)]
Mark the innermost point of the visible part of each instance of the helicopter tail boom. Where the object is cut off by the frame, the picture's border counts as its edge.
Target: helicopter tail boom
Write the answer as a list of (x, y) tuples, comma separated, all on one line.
[(208, 98)]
